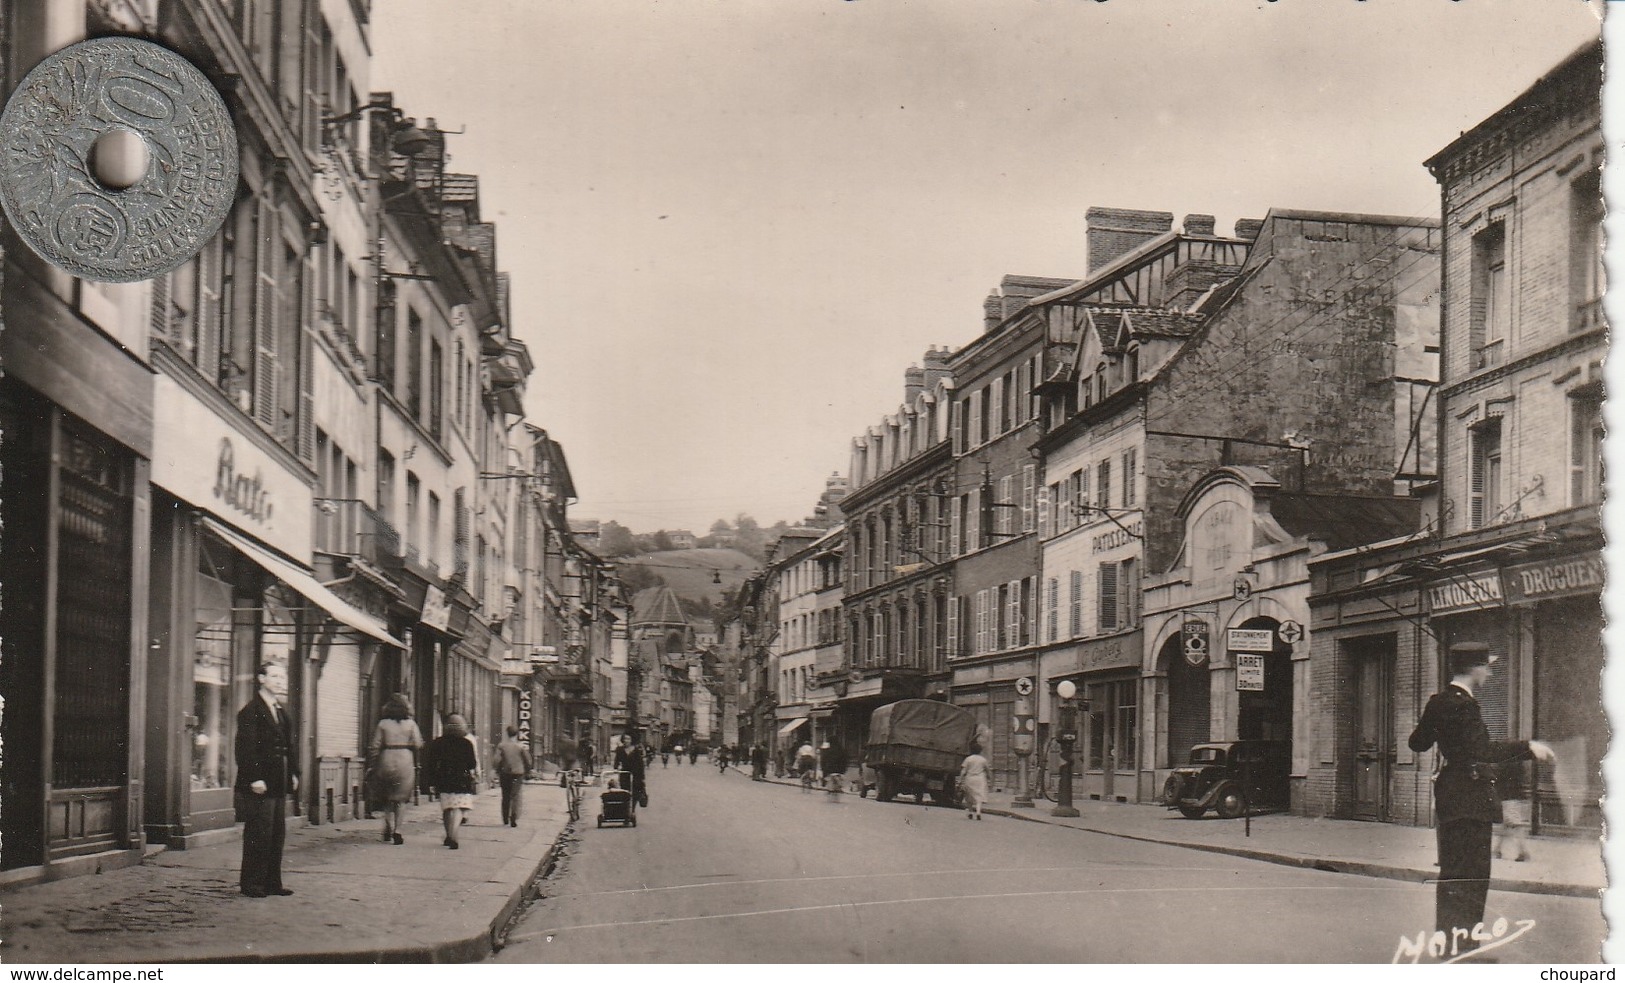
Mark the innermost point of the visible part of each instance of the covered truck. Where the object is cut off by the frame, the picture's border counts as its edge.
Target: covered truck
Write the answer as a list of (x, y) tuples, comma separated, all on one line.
[(915, 748)]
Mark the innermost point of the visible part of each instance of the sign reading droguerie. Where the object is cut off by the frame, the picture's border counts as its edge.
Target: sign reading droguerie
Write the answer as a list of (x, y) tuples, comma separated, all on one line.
[(1465, 592), (1555, 578)]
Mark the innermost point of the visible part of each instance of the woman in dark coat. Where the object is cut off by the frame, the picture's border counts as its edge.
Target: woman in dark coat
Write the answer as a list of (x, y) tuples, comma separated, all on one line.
[(448, 769)]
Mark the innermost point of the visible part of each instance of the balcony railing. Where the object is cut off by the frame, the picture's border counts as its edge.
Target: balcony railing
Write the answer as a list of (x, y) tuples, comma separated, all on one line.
[(348, 527), (1588, 315)]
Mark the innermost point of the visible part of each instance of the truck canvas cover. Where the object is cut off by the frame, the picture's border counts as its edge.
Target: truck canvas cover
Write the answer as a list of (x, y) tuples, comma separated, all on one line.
[(923, 724)]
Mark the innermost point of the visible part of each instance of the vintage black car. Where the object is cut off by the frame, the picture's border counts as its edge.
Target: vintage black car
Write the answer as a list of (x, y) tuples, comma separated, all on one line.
[(1213, 779)]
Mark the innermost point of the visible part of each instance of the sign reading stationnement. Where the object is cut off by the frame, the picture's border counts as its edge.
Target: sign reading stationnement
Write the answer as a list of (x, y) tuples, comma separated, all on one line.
[(1250, 672), (1250, 639)]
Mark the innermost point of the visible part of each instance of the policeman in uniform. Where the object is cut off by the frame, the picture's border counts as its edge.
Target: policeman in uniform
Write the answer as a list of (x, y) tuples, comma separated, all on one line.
[(1464, 790)]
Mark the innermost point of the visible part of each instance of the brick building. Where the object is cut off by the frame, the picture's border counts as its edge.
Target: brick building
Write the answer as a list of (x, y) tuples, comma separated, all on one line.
[(1511, 555)]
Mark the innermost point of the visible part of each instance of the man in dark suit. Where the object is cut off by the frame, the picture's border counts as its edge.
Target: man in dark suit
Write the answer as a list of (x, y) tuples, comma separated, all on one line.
[(1466, 804), (267, 773)]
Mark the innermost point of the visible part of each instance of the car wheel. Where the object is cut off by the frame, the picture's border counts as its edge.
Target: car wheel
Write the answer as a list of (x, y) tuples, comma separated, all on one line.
[(1170, 791), (1192, 812), (1229, 804)]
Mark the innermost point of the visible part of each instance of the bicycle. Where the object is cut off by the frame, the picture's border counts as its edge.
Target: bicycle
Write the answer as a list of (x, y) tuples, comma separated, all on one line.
[(572, 793), (807, 779)]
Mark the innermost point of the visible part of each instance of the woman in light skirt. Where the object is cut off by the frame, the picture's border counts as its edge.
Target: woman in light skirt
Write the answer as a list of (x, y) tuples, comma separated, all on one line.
[(393, 754), (973, 781)]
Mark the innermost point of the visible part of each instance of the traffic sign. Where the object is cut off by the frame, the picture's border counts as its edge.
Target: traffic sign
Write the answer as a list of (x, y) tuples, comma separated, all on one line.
[(1241, 589), (1250, 673), (1291, 632), (1250, 640), (1195, 634)]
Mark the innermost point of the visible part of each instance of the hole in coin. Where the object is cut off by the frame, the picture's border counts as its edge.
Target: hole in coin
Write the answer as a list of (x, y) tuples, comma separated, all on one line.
[(119, 158)]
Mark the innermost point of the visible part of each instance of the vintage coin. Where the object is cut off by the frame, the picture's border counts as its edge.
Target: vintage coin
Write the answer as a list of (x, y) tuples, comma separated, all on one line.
[(49, 184)]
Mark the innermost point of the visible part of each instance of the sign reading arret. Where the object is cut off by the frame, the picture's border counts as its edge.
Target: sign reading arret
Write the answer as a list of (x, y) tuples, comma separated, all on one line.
[(1250, 673)]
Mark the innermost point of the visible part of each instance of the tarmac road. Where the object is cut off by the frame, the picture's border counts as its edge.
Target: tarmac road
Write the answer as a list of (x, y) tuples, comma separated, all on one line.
[(724, 870)]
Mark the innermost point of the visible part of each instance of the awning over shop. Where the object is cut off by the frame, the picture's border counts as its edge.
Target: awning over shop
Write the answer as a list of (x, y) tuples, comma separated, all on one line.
[(792, 725), (307, 586), (819, 713)]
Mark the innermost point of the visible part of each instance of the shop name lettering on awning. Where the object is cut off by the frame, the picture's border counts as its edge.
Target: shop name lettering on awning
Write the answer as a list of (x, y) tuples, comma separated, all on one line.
[(1482, 590), (1555, 578)]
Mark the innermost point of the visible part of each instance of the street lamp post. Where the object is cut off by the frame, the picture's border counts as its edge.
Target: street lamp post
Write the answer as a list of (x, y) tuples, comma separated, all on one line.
[(1068, 737)]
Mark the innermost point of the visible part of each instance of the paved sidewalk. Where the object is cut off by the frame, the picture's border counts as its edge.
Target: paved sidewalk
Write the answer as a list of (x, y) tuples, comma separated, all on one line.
[(1559, 865), (356, 898)]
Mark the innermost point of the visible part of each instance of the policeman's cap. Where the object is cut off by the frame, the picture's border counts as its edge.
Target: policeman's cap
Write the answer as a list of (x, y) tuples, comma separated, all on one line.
[(1465, 655)]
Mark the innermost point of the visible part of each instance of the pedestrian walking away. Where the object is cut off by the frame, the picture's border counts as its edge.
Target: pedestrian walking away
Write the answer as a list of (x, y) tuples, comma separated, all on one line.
[(267, 773), (665, 756), (512, 764), (973, 773), (629, 758), (392, 758), (722, 760), (587, 755), (758, 763), (1515, 789), (448, 769), (693, 755), (1465, 800)]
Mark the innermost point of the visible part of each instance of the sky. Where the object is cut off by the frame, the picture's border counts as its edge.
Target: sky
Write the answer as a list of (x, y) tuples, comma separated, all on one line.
[(732, 226)]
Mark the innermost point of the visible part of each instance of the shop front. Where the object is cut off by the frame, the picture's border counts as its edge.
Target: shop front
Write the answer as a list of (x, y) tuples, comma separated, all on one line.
[(230, 590), (1383, 620), (1106, 672)]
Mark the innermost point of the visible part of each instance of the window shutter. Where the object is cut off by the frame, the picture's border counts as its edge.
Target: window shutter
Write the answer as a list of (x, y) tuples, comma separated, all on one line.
[(973, 520), (996, 409), (160, 307), (1479, 464), (1013, 616), (1002, 515), (265, 327), (955, 507), (1052, 610), (1103, 493), (1080, 495), (1045, 523), (1033, 399), (1107, 613), (1128, 588), (1029, 492), (1130, 469), (953, 627), (1075, 613), (306, 448), (956, 424), (208, 333)]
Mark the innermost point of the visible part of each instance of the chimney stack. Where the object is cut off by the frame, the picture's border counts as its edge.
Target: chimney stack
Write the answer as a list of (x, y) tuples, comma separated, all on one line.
[(1198, 225), (1248, 228), (992, 311), (913, 383), (935, 366), (1115, 231)]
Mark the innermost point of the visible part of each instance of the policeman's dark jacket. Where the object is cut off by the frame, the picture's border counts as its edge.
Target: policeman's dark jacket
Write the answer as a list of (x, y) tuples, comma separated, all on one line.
[(1466, 782)]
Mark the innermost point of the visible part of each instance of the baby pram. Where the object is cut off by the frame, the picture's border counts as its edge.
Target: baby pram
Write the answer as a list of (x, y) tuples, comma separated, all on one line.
[(616, 803)]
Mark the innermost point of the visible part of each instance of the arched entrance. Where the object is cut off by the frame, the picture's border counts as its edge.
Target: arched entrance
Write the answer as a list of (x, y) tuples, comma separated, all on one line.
[(1267, 714), (1190, 701)]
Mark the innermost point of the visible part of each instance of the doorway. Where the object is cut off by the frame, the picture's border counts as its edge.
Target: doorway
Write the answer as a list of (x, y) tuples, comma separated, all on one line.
[(1372, 663)]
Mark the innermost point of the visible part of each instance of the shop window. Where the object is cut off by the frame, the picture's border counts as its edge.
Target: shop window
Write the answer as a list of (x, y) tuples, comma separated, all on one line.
[(1113, 717), (1484, 492)]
